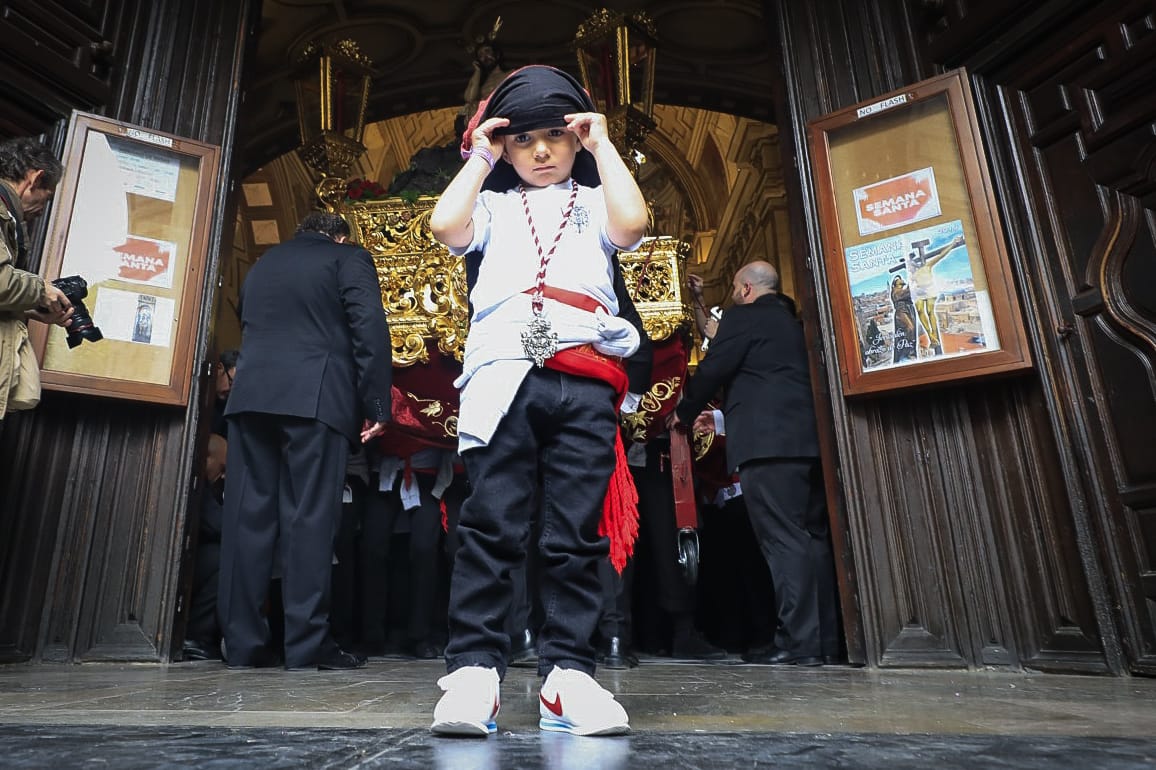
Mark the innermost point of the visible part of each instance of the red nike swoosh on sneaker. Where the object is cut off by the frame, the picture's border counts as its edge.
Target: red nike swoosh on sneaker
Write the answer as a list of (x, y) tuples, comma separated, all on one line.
[(555, 707), (494, 713)]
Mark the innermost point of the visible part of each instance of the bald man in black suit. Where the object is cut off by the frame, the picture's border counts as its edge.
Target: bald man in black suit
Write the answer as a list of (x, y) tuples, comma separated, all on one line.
[(313, 378), (759, 357)]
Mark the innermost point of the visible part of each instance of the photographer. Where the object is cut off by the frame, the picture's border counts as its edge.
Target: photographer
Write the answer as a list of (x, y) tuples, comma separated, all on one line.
[(29, 173)]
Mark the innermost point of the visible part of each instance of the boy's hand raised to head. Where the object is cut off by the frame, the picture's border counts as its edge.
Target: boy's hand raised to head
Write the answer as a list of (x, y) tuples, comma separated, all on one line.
[(590, 127), (483, 137)]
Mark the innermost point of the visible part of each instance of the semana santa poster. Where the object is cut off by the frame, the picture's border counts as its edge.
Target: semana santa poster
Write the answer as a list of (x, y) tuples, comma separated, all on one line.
[(898, 201)]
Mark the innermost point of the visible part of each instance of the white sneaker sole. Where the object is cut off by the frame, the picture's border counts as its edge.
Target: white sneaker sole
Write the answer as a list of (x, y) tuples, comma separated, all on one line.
[(559, 726), (465, 729)]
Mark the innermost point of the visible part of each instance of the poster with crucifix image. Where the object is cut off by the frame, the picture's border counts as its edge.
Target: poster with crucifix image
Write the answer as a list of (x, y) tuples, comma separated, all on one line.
[(914, 298)]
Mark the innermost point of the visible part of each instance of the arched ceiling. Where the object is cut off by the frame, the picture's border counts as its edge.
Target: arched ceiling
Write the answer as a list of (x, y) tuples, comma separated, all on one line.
[(713, 54)]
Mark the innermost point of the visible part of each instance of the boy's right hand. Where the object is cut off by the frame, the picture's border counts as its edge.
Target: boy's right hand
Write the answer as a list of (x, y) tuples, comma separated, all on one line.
[(483, 136)]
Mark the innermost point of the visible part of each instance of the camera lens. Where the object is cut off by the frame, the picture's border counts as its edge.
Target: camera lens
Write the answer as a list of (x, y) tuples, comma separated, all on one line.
[(81, 327)]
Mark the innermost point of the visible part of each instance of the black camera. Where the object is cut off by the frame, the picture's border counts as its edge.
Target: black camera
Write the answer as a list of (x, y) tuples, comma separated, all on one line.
[(81, 327)]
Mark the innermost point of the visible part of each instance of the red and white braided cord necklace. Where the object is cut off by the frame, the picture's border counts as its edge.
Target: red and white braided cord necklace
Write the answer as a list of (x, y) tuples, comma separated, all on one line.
[(544, 258)]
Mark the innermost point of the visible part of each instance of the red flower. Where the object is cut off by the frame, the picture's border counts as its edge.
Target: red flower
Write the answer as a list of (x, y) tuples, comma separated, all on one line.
[(364, 189)]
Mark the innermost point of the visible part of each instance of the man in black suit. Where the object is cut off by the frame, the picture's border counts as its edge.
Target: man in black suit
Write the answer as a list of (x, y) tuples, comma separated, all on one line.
[(759, 356), (315, 362)]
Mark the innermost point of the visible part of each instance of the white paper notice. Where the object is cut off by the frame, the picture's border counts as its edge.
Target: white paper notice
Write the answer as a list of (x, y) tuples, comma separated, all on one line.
[(132, 317), (100, 223), (147, 171)]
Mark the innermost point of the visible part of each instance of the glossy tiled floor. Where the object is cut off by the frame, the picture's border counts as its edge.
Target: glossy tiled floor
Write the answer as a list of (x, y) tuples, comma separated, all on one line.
[(201, 714)]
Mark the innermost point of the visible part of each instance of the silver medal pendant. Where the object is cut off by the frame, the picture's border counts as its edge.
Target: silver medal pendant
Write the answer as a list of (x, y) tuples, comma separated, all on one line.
[(538, 340)]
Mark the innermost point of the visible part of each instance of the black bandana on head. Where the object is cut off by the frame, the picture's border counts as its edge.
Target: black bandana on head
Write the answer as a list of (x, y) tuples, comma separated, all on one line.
[(536, 97), (531, 98)]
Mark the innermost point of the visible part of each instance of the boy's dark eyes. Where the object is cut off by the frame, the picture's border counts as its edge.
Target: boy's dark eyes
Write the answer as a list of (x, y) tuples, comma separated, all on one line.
[(552, 133)]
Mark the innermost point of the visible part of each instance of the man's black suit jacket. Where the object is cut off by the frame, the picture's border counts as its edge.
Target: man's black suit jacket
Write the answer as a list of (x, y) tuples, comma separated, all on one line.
[(314, 339), (758, 355)]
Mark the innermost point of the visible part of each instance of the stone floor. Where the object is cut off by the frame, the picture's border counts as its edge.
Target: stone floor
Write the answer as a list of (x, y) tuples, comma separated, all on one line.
[(683, 716)]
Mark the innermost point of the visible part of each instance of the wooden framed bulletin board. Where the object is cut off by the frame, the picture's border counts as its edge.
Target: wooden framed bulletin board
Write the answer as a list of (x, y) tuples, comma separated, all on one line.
[(915, 258), (132, 218)]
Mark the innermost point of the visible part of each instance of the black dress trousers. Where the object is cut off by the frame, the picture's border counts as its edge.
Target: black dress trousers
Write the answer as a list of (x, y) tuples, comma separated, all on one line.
[(286, 475)]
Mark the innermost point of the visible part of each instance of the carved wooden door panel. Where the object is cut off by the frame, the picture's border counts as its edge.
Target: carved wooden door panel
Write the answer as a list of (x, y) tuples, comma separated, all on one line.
[(1081, 114), (56, 55), (92, 492)]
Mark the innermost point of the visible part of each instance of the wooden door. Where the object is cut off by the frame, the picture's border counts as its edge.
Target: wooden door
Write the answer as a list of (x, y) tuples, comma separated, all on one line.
[(1074, 114)]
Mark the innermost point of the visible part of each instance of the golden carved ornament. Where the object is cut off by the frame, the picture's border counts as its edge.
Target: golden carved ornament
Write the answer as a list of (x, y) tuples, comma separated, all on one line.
[(331, 192), (604, 22), (654, 276), (331, 153), (423, 286), (345, 52)]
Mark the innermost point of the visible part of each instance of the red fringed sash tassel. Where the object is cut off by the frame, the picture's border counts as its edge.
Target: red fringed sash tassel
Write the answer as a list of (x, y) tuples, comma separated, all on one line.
[(620, 508)]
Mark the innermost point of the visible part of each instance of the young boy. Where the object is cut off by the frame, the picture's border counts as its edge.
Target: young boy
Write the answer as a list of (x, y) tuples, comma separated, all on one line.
[(546, 199)]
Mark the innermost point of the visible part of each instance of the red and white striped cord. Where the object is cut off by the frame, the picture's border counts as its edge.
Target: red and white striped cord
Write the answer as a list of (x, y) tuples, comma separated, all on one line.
[(540, 287)]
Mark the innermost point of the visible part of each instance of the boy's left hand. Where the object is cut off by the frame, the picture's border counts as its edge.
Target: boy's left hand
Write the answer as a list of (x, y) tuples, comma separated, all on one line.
[(590, 127)]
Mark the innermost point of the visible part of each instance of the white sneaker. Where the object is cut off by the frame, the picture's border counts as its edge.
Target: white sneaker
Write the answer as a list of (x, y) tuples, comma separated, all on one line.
[(572, 702), (470, 703)]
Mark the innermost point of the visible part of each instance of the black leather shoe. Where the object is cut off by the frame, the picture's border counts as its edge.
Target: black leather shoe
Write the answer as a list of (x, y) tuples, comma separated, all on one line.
[(782, 658), (339, 660), (194, 649), (613, 656)]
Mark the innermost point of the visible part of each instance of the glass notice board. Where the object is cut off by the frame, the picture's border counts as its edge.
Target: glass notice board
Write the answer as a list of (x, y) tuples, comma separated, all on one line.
[(132, 218), (915, 260)]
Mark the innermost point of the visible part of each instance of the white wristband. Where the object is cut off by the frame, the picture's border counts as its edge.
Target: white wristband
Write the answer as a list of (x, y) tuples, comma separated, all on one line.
[(484, 154)]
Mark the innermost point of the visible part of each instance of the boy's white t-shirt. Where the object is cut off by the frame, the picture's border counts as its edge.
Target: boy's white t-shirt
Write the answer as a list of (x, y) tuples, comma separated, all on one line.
[(511, 262), (495, 363)]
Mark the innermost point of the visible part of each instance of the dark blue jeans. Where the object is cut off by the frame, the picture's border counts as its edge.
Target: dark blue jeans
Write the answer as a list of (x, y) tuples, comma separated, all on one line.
[(559, 432)]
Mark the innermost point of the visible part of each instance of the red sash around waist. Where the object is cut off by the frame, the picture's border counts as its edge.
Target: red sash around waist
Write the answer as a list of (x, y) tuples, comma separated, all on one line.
[(572, 298), (584, 360)]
